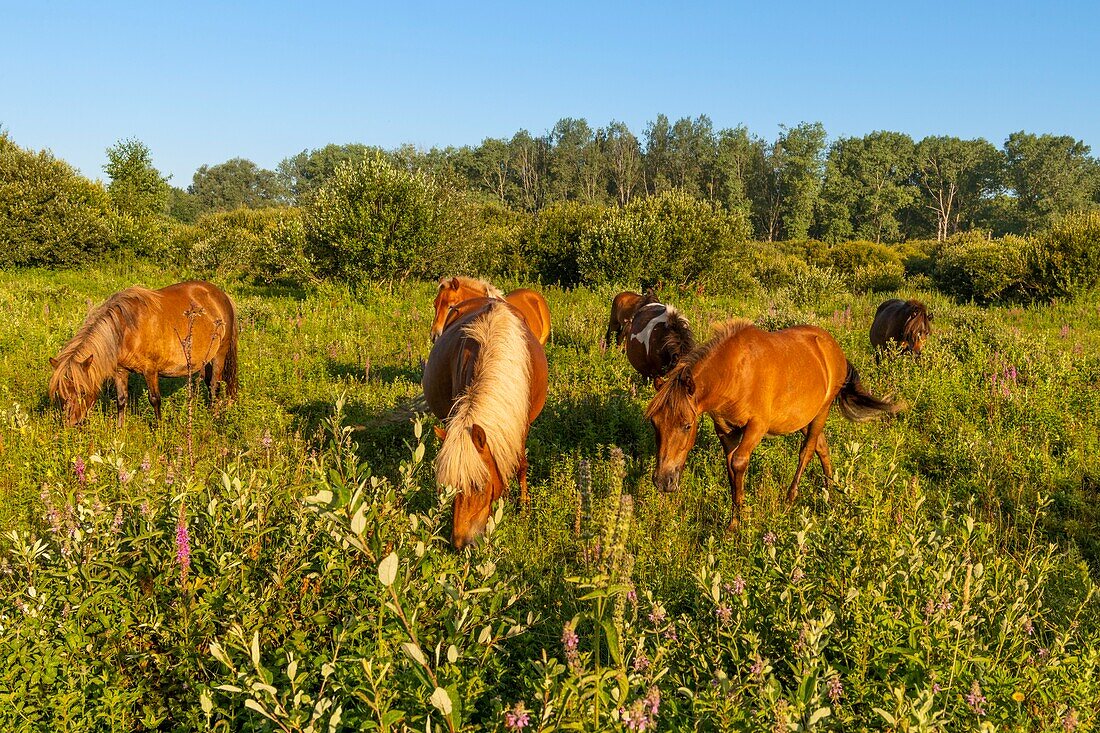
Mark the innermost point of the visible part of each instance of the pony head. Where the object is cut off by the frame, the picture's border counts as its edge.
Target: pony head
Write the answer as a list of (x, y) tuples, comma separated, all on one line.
[(449, 295), (472, 504), (917, 327), (675, 420), (74, 385)]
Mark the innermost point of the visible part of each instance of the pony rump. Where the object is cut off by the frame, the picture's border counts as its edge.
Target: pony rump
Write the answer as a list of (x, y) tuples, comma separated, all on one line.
[(497, 399), (99, 338)]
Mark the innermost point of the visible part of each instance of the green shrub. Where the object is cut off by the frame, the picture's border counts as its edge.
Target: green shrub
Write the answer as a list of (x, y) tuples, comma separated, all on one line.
[(1065, 260), (877, 277), (49, 215), (671, 237), (373, 220), (552, 244), (496, 240), (972, 267), (266, 243), (773, 268)]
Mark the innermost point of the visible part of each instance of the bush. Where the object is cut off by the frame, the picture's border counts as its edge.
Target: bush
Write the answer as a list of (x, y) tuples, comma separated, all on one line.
[(971, 267), (671, 237), (553, 242), (1065, 260), (49, 215), (267, 243), (496, 236), (373, 220)]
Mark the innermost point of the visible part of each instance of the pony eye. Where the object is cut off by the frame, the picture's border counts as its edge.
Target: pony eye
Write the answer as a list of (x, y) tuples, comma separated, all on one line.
[(686, 427)]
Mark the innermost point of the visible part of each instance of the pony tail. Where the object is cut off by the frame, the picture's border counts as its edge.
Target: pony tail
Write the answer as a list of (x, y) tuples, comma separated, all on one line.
[(859, 405), (229, 369)]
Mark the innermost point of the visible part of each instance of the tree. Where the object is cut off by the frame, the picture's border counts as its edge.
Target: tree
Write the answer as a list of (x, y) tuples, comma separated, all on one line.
[(734, 155), (575, 165), (623, 155), (310, 169), (955, 176), (529, 161), (237, 183), (658, 141), (1050, 175), (136, 188), (786, 182), (691, 156), (868, 179)]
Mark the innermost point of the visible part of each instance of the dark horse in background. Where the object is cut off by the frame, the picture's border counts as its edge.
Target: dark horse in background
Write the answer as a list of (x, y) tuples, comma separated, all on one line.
[(905, 322), (174, 332), (658, 337), (623, 307), (755, 383)]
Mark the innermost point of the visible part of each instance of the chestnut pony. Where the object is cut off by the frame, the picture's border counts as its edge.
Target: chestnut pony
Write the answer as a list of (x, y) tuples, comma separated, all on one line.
[(623, 307), (755, 383), (486, 380), (906, 322), (149, 332), (531, 305), (659, 336)]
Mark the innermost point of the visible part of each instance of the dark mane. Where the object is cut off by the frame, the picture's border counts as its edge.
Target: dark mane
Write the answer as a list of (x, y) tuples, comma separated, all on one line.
[(679, 339), (916, 319), (671, 392)]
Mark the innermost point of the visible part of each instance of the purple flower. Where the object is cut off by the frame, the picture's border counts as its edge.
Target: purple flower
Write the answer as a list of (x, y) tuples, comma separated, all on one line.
[(632, 596), (146, 510), (641, 661), (1044, 653), (1029, 629), (183, 544), (835, 689), (724, 613), (769, 538), (653, 700), (975, 699), (146, 464), (738, 585), (657, 615), (569, 637), (116, 523), (517, 718), (797, 576), (266, 441), (1069, 723), (757, 668), (124, 476), (936, 687), (1065, 330), (78, 468)]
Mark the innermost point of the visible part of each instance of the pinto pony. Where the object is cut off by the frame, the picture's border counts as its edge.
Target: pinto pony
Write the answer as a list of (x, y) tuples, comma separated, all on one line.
[(623, 307), (486, 380), (174, 331), (755, 383), (659, 336), (906, 322), (531, 305)]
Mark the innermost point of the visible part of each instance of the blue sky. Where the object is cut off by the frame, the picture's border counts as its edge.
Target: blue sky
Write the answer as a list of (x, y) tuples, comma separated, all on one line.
[(201, 82)]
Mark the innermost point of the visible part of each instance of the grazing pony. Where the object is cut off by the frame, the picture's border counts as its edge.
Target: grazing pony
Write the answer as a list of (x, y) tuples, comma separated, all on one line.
[(906, 322), (755, 383), (531, 305), (486, 380), (623, 307), (174, 332), (659, 336)]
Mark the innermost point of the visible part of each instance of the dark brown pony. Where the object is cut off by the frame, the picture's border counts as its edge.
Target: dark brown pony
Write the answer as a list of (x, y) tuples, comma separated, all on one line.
[(906, 322), (174, 332), (531, 305), (486, 380), (623, 307), (659, 336), (755, 383)]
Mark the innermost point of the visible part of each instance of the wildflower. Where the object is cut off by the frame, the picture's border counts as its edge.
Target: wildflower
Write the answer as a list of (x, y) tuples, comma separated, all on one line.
[(1018, 696), (738, 585), (266, 441), (641, 661), (670, 634), (1065, 330), (724, 613), (146, 510), (835, 689), (653, 700), (1069, 723), (975, 699), (769, 538), (79, 468), (146, 464), (124, 476), (1044, 653), (569, 638), (757, 668), (517, 718), (116, 523), (797, 576), (936, 687), (183, 544), (634, 717), (657, 615), (1028, 627)]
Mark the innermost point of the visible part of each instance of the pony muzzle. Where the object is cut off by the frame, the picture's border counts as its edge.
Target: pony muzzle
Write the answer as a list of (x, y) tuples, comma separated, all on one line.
[(667, 481)]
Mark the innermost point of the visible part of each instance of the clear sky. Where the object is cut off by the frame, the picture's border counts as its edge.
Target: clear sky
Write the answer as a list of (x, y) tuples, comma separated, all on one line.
[(203, 82)]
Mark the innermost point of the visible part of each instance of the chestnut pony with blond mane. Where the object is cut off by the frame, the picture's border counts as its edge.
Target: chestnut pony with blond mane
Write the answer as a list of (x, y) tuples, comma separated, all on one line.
[(174, 332), (486, 380), (531, 305), (755, 383)]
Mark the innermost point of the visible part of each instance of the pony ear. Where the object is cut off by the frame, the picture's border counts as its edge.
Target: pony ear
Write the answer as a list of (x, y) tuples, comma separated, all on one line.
[(86, 360), (659, 382), (54, 362), (688, 381), (455, 284), (440, 432), (477, 434)]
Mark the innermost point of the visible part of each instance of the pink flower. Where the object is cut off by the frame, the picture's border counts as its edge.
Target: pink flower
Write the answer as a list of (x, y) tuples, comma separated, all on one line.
[(1069, 723), (975, 699), (183, 544), (78, 468), (769, 538), (517, 718), (724, 613), (836, 689)]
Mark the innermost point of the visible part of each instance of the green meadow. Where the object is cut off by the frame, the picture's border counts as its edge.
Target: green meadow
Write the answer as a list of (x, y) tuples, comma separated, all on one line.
[(283, 564)]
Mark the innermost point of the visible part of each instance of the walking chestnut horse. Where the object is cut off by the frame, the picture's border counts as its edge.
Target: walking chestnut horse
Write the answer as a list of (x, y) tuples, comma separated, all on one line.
[(659, 336), (755, 383), (906, 322), (531, 305), (174, 331), (623, 307), (486, 380)]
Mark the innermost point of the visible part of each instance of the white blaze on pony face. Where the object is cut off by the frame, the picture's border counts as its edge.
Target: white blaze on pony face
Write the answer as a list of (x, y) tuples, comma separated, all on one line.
[(645, 336)]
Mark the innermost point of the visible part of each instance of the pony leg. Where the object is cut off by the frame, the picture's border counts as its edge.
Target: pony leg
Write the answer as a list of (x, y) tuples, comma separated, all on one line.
[(813, 433), (737, 464), (521, 470), (215, 370), (152, 381), (122, 393), (823, 456)]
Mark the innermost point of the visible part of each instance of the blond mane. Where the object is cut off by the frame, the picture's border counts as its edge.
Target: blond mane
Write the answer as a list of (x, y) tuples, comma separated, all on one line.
[(481, 286), (497, 399), (100, 337), (670, 392)]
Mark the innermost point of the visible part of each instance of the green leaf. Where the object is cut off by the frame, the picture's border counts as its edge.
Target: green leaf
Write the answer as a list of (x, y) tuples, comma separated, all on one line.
[(387, 569), (442, 701)]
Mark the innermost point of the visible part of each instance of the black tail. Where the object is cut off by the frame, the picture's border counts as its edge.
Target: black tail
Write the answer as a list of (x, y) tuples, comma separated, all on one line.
[(859, 405), (229, 369)]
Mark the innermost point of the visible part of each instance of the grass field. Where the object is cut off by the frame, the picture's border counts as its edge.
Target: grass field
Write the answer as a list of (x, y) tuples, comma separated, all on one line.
[(943, 584)]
